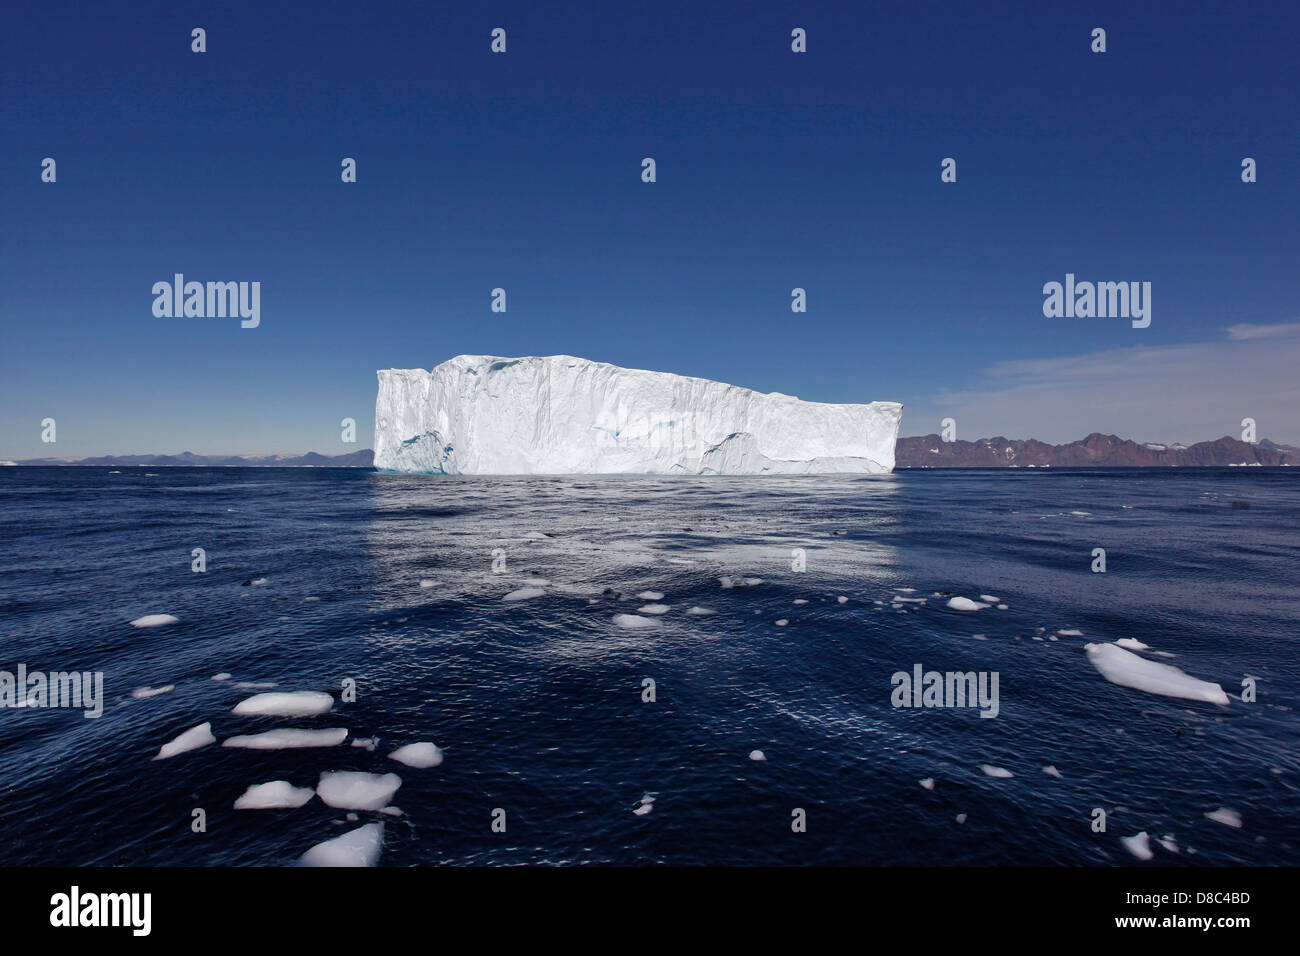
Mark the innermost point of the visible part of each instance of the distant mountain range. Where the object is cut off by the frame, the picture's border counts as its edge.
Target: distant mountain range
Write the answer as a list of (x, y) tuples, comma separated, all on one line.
[(926, 451), (1098, 450)]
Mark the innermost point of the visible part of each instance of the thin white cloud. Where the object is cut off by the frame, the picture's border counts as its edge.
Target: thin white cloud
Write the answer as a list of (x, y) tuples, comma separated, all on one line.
[(1185, 393)]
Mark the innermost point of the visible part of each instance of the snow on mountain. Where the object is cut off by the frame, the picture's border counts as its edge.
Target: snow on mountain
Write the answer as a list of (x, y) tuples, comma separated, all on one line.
[(485, 415)]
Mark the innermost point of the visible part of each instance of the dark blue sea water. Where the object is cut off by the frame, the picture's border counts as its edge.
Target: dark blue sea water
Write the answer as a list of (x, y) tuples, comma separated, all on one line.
[(537, 704)]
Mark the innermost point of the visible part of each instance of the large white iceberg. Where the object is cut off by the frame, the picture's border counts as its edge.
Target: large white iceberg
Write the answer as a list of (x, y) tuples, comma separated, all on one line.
[(484, 415)]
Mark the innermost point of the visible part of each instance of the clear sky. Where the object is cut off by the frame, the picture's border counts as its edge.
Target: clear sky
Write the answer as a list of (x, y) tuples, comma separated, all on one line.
[(522, 170)]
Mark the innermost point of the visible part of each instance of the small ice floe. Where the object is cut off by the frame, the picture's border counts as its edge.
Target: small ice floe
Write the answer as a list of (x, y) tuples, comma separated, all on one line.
[(739, 582), (426, 583), (366, 743), (1081, 514), (523, 594), (1132, 644), (288, 738), (421, 755), (700, 611), (993, 771), (1070, 632), (800, 600), (155, 620), (311, 599), (140, 693), (990, 598), (536, 582), (359, 847), (299, 703), (1139, 845), (782, 622), (255, 685), (653, 609), (633, 621), (1128, 670), (222, 676), (961, 818), (192, 739), (842, 599), (1168, 842), (1227, 817), (928, 783), (1051, 771), (906, 590), (979, 637), (254, 583), (1002, 607), (757, 755), (909, 600), (650, 596), (357, 790), (392, 811), (965, 604), (276, 795), (641, 809)]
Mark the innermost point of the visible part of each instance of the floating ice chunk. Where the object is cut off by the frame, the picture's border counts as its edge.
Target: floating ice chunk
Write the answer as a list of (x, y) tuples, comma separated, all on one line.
[(1002, 607), (366, 743), (757, 755), (257, 583), (276, 795), (650, 596), (990, 598), (192, 739), (961, 818), (140, 693), (1139, 845), (1051, 771), (632, 621), (299, 703), (1070, 632), (700, 611), (782, 622), (800, 600), (1081, 514), (642, 809), (311, 599), (426, 583), (993, 771), (359, 847), (391, 811), (647, 798), (1128, 670), (906, 590), (255, 685), (965, 604), (222, 676), (355, 790), (419, 755), (653, 609), (523, 594), (1168, 842), (928, 783), (842, 599), (910, 600), (288, 738), (1132, 644), (1225, 816), (155, 620)]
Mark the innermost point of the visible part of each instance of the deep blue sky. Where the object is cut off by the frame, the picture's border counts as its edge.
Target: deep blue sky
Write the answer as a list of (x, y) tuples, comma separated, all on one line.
[(522, 170)]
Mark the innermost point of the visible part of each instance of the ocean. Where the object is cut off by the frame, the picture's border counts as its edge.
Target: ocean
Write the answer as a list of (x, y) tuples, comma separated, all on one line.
[(394, 585)]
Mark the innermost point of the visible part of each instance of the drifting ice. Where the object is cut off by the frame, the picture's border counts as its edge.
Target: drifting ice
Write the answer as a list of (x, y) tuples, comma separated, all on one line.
[(483, 415)]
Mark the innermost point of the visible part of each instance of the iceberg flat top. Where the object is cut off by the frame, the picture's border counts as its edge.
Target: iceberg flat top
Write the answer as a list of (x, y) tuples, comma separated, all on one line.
[(558, 414)]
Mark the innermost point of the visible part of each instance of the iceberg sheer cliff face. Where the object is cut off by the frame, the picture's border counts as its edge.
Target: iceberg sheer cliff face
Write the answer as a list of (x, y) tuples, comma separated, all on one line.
[(560, 415)]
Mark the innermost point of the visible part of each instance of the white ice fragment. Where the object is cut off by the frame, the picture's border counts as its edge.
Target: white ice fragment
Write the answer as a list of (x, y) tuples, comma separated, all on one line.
[(366, 743), (1070, 632), (928, 783), (155, 620), (523, 594), (642, 809), (965, 604), (222, 676), (961, 818), (1139, 845), (800, 600), (288, 738), (782, 622), (757, 755), (842, 599), (140, 693), (650, 596), (990, 598), (1128, 670), (993, 771), (1225, 816), (632, 621), (300, 703), (426, 583), (1132, 644), (700, 611), (359, 847), (192, 739), (653, 609), (276, 795), (419, 755), (356, 790), (1051, 771)]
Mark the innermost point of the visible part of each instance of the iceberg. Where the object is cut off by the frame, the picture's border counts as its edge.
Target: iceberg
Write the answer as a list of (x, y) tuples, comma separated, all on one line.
[(561, 415)]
